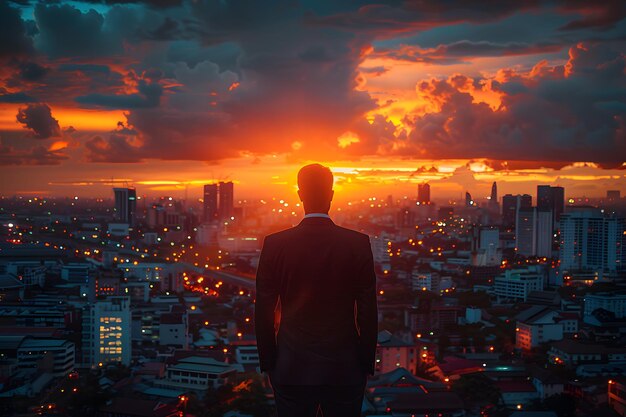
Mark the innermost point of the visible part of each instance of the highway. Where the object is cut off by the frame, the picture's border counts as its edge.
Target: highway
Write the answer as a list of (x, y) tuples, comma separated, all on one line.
[(226, 277)]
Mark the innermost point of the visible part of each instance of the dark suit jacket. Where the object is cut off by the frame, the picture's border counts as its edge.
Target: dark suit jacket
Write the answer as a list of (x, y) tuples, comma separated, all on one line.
[(323, 277)]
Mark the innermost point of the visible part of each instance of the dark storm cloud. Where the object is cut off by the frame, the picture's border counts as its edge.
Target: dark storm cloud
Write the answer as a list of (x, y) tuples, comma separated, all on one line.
[(597, 15), (559, 114), (15, 97), (460, 51), (152, 3), (13, 38), (218, 78), (149, 95), (31, 71), (38, 155), (65, 31), (38, 118), (397, 18), (116, 149)]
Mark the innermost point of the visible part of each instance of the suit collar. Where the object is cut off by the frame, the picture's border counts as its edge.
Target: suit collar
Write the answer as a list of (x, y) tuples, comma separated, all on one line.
[(316, 221)]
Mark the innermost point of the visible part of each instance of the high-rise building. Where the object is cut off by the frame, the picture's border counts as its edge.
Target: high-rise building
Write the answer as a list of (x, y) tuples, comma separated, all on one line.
[(533, 232), (227, 199), (510, 206), (469, 202), (526, 231), (493, 198), (125, 205), (551, 199), (544, 233), (592, 241), (107, 332), (219, 201), (210, 202), (423, 193), (486, 249)]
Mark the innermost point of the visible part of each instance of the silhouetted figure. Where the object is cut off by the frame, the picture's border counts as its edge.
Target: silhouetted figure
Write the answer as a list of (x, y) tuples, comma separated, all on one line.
[(321, 278)]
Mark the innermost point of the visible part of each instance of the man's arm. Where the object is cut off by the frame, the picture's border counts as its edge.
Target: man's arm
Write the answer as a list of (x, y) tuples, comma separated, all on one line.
[(267, 290), (367, 311)]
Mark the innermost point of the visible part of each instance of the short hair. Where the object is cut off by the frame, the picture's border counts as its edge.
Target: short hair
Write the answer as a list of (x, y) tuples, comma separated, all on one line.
[(315, 177)]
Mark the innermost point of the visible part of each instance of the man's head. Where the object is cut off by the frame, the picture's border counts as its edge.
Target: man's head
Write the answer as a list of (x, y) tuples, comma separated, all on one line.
[(315, 188)]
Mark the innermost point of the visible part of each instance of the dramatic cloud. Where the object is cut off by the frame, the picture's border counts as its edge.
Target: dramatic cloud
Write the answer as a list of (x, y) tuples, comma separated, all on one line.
[(38, 155), (552, 113), (465, 50), (6, 97), (13, 38), (38, 118), (208, 80)]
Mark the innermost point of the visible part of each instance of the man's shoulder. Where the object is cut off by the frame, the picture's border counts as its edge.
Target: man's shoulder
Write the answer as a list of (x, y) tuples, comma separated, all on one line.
[(353, 234), (278, 236)]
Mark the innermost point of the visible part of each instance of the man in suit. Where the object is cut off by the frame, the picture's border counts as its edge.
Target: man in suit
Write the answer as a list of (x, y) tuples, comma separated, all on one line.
[(316, 317)]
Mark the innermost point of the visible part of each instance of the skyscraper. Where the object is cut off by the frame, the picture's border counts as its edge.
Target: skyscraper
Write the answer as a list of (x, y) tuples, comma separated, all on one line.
[(210, 202), (218, 201), (592, 241), (226, 202), (526, 231), (494, 207), (551, 199), (533, 232), (423, 193), (468, 200), (494, 192), (510, 206), (125, 205)]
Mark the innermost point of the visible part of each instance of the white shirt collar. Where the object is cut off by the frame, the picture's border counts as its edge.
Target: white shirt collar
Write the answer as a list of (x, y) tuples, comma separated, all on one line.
[(316, 215)]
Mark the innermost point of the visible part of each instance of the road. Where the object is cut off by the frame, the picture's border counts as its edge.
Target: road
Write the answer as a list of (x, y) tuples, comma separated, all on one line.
[(227, 277)]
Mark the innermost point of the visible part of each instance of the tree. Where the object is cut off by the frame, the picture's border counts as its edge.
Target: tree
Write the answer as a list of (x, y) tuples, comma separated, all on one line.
[(476, 389)]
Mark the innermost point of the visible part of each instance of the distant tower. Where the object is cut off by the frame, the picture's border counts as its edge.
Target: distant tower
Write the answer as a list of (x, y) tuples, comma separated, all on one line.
[(219, 201), (468, 200), (551, 199), (494, 207), (423, 193), (511, 205), (227, 199), (210, 202), (125, 205)]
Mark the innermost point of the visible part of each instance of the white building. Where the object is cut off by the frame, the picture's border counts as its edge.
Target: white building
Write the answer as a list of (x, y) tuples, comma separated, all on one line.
[(107, 332), (421, 280), (486, 249), (32, 350), (197, 373), (537, 325), (247, 354), (76, 271), (615, 303), (173, 330), (592, 241), (517, 283)]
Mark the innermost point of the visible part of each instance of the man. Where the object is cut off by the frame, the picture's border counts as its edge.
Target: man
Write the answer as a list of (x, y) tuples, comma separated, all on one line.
[(322, 277)]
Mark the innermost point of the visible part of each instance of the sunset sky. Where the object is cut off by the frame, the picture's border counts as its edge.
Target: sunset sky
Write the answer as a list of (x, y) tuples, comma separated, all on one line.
[(169, 95)]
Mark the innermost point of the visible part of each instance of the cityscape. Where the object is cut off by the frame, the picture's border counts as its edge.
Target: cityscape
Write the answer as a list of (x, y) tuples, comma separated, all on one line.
[(143, 306), (148, 147)]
